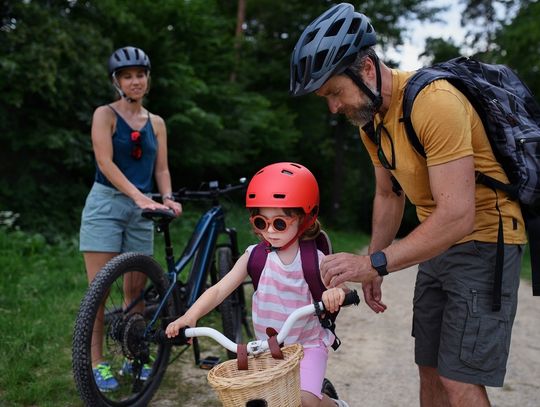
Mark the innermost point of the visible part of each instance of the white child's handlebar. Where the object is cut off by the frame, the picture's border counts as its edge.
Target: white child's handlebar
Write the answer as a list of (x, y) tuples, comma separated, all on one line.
[(260, 346)]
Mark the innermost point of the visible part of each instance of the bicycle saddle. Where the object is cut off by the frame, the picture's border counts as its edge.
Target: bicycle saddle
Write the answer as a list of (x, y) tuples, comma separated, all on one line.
[(157, 215)]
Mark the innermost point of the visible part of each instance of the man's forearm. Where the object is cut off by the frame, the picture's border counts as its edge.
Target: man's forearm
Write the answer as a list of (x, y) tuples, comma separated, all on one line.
[(387, 217)]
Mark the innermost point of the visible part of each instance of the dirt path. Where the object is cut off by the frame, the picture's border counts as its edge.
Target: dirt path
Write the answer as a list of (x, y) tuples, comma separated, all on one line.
[(375, 365)]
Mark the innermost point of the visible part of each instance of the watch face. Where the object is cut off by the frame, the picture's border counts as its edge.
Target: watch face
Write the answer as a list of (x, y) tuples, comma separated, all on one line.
[(378, 262), (378, 259)]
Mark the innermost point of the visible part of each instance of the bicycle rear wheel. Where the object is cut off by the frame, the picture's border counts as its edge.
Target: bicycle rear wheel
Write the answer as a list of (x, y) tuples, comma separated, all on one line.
[(231, 308), (127, 335)]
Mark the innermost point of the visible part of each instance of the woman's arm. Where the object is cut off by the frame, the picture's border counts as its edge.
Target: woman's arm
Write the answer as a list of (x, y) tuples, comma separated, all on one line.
[(161, 169)]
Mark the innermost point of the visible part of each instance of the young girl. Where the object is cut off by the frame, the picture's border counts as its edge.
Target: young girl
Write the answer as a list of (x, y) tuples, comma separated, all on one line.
[(283, 200)]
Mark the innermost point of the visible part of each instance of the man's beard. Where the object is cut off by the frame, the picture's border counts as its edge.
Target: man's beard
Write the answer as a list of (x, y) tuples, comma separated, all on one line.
[(362, 115)]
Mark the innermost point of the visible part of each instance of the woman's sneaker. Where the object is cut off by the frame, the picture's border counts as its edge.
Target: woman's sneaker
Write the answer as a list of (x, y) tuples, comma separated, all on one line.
[(104, 378), (127, 369)]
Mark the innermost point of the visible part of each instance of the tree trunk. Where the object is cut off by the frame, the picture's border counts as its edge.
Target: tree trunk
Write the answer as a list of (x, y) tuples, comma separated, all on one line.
[(238, 36)]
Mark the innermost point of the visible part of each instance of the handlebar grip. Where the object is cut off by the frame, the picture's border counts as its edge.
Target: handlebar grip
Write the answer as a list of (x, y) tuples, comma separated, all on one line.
[(180, 339), (351, 298)]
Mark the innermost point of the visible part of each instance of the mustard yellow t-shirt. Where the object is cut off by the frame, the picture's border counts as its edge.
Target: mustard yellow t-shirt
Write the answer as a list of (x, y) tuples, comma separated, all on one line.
[(448, 128)]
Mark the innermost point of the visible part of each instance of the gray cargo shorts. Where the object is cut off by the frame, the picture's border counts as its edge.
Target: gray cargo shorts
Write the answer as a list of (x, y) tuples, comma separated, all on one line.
[(454, 328)]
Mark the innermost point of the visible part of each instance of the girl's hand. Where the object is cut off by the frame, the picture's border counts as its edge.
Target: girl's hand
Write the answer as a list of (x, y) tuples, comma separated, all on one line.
[(333, 298), (174, 327)]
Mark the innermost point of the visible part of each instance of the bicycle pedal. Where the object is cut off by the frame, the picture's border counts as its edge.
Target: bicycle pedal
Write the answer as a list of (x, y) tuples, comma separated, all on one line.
[(209, 362)]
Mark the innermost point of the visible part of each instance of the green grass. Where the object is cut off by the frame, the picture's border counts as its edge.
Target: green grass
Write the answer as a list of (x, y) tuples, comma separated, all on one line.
[(40, 291)]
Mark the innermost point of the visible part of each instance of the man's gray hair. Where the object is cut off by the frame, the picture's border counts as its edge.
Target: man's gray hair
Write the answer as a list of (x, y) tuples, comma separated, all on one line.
[(360, 61)]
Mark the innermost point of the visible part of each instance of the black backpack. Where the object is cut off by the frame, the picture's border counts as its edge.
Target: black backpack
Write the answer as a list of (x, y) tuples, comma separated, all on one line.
[(511, 118), (310, 267)]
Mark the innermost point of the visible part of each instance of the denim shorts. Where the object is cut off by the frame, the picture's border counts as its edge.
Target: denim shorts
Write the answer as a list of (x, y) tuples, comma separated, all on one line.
[(111, 222), (454, 327)]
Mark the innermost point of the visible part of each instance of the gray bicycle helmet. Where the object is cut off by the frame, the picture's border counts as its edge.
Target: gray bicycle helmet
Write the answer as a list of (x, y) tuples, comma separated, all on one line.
[(128, 57), (328, 46)]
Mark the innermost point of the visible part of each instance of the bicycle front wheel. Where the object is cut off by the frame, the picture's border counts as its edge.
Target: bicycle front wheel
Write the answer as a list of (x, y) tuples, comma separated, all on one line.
[(231, 308), (118, 323)]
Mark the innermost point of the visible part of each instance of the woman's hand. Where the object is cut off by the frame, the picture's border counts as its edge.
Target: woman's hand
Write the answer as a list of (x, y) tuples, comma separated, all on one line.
[(175, 206)]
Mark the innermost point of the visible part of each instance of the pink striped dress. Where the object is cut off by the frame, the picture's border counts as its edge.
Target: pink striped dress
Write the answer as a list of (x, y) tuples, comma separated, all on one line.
[(282, 289)]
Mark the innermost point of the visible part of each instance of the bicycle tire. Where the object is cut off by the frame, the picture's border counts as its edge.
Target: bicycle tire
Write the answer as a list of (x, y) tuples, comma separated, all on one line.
[(230, 308), (329, 389), (125, 335)]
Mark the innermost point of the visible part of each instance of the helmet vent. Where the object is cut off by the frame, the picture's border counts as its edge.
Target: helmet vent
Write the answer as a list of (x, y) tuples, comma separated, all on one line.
[(319, 60), (358, 38), (280, 196), (126, 53), (286, 172), (252, 196), (355, 25), (334, 28), (310, 37), (341, 52)]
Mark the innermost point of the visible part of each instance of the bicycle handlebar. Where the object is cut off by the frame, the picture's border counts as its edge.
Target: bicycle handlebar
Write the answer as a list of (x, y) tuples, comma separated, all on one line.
[(185, 194), (213, 191), (260, 346)]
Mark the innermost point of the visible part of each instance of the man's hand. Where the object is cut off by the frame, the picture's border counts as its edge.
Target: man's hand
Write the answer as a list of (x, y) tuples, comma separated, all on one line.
[(338, 268), (373, 294)]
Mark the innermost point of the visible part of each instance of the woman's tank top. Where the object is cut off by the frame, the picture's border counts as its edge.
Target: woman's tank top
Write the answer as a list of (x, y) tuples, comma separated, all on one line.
[(139, 171)]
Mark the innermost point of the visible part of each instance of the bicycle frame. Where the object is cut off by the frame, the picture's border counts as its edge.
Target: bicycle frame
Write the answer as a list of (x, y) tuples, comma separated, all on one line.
[(199, 251), (200, 247)]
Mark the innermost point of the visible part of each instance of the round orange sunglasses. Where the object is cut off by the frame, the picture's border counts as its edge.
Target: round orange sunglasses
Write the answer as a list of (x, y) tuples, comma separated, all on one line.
[(279, 223)]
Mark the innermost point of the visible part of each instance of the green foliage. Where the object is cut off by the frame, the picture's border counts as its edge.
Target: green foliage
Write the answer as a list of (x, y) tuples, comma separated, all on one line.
[(439, 50), (41, 289), (518, 46), (53, 75)]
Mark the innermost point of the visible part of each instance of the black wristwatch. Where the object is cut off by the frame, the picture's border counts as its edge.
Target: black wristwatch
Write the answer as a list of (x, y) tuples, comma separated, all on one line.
[(378, 262)]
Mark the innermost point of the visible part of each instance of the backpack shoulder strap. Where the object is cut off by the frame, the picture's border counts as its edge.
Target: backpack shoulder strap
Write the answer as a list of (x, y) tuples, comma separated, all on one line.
[(312, 275), (416, 83), (323, 243), (310, 267), (256, 262)]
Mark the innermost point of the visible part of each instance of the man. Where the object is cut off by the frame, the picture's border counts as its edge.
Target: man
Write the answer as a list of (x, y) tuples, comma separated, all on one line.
[(461, 345)]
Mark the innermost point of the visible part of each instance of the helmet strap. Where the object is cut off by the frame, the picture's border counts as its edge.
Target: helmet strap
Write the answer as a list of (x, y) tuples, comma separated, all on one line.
[(376, 99), (119, 90)]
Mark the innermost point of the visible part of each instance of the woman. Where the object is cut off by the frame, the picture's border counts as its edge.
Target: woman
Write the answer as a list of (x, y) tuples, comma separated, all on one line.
[(130, 148)]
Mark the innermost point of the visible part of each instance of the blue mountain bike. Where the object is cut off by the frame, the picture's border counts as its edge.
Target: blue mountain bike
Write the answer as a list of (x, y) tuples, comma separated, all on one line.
[(134, 323)]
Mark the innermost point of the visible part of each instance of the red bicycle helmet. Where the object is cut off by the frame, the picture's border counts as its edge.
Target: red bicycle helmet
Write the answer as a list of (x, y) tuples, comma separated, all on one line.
[(284, 185)]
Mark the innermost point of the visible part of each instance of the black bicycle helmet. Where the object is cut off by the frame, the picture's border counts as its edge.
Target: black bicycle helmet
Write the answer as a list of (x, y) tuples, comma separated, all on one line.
[(328, 46), (128, 57)]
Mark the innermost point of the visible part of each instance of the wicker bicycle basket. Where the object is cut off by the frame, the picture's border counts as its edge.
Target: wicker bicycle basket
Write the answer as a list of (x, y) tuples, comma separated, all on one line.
[(277, 381)]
